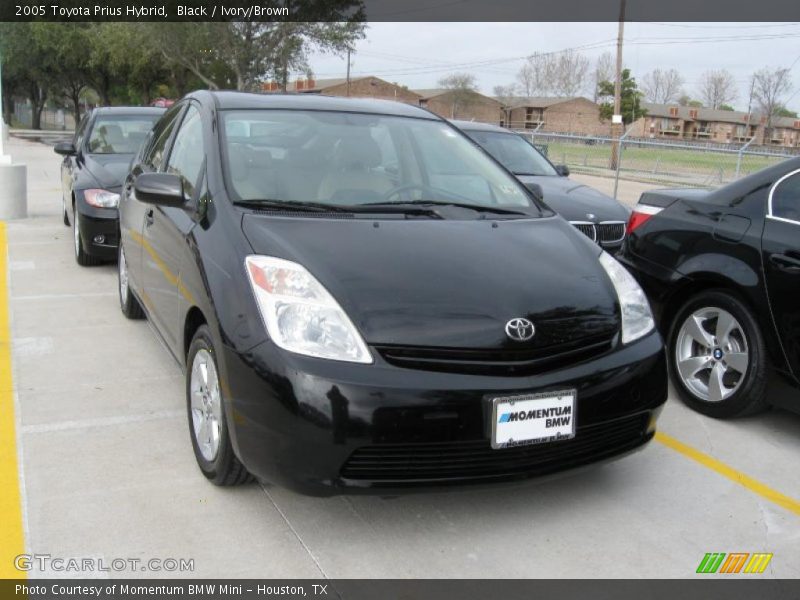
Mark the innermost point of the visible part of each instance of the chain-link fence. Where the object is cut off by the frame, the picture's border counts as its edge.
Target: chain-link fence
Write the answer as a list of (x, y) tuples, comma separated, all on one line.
[(669, 163)]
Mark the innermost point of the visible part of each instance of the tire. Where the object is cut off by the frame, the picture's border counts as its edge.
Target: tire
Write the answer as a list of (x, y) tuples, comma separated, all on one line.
[(81, 257), (128, 303), (64, 209), (204, 397), (724, 375)]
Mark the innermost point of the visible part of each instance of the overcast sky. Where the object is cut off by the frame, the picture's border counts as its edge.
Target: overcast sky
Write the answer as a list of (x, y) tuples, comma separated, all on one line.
[(418, 54)]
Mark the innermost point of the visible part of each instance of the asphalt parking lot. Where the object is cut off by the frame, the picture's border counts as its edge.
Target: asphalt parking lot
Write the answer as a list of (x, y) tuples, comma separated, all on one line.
[(107, 470)]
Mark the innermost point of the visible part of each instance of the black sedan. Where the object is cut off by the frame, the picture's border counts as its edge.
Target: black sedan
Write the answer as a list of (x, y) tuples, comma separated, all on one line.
[(722, 269), (95, 164), (601, 218), (347, 285)]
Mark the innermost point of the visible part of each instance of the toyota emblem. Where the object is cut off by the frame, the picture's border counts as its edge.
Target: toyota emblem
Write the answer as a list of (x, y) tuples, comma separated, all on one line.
[(520, 330)]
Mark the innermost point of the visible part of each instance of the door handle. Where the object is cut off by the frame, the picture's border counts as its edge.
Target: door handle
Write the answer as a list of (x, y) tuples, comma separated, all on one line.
[(148, 217), (784, 262)]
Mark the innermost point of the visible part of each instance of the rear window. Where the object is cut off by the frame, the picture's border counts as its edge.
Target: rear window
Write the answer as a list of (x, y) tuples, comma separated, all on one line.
[(119, 134), (513, 152)]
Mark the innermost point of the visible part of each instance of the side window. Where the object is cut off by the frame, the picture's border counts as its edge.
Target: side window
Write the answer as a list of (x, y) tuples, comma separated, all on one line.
[(80, 131), (786, 198), (154, 155), (186, 157)]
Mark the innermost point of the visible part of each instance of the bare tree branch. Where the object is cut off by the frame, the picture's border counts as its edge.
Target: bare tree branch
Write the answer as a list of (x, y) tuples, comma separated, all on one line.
[(717, 87), (662, 87)]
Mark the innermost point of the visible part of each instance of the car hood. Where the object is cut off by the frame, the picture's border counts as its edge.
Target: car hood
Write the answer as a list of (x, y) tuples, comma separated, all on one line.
[(450, 283), (108, 170), (574, 201)]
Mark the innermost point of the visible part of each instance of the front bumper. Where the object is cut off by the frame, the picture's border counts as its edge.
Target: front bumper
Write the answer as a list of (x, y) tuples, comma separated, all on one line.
[(99, 230), (325, 427)]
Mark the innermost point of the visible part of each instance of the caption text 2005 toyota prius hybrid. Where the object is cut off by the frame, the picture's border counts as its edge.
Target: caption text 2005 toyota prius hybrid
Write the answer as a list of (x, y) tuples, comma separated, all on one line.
[(364, 300)]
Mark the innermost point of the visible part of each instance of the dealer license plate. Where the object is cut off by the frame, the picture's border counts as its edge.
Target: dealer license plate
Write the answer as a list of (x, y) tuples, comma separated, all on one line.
[(533, 418)]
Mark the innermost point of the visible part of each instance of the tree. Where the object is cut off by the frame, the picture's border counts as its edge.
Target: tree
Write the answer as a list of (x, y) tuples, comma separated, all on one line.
[(68, 42), (557, 74), (630, 99), (684, 100), (782, 111), (717, 87), (695, 103), (662, 87), (603, 71), (27, 67), (726, 107), (463, 88), (240, 54), (769, 89)]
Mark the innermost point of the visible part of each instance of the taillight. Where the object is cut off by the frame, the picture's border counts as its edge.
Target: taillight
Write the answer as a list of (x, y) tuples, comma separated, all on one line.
[(640, 215)]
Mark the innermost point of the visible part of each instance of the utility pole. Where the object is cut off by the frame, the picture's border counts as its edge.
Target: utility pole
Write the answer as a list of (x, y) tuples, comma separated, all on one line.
[(348, 71), (750, 109), (616, 118)]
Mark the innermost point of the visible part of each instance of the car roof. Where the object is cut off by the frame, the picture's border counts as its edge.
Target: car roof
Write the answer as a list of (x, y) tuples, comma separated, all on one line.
[(476, 126), (128, 110), (243, 101)]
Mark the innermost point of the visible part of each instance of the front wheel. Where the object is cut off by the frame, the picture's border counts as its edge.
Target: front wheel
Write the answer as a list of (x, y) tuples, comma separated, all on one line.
[(717, 356), (207, 424)]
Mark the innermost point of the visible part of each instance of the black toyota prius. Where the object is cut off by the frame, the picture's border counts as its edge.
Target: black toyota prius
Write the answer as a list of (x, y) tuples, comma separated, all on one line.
[(363, 300), (95, 163)]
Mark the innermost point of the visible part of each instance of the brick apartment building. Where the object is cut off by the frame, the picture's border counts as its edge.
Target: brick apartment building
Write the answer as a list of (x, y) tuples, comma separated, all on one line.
[(563, 115), (717, 126), (460, 104), (574, 115)]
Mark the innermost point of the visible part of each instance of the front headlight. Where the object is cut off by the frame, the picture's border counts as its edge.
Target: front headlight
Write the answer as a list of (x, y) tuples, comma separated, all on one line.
[(637, 319), (299, 313), (101, 198)]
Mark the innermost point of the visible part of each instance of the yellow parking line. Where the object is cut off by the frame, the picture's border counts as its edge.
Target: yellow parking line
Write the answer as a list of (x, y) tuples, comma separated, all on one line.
[(12, 537), (751, 484)]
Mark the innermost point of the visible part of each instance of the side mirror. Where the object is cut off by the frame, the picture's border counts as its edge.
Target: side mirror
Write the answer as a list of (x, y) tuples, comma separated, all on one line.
[(536, 190), (562, 170), (161, 189), (65, 149)]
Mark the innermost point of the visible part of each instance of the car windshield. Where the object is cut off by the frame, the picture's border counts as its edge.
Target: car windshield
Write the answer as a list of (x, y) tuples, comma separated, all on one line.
[(346, 159), (119, 134), (513, 152)]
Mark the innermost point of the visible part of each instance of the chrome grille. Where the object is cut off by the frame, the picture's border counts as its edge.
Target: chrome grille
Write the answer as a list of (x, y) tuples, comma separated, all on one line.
[(611, 232), (607, 232), (586, 228)]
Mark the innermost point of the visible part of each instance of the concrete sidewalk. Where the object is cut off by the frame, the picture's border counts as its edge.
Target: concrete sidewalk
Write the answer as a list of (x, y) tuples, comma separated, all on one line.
[(109, 470)]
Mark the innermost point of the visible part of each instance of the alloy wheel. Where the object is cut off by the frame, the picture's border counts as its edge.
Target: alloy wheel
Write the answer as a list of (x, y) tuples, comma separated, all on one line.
[(711, 354), (206, 405), (123, 277), (76, 234)]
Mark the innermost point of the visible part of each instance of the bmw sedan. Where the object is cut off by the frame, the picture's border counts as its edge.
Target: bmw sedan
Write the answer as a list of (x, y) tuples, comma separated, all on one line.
[(599, 217), (722, 269), (95, 164), (348, 287)]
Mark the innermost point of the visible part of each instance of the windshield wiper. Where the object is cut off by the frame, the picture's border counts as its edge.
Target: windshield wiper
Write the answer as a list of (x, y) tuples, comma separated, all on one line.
[(432, 203), (321, 207), (288, 205)]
